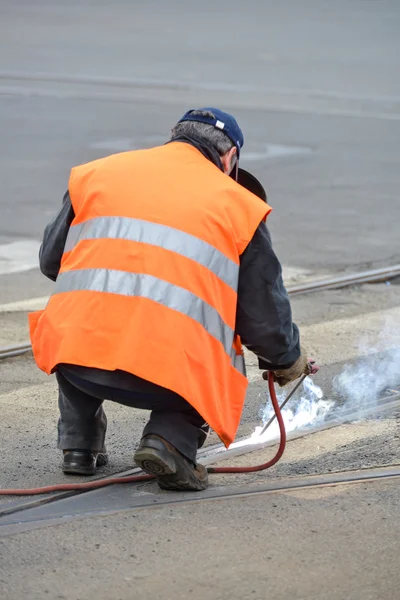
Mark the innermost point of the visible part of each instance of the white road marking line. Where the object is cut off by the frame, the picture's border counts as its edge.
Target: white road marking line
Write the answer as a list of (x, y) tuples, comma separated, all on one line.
[(19, 256)]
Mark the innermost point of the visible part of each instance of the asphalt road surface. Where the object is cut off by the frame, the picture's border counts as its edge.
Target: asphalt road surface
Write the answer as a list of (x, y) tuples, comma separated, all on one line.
[(314, 85)]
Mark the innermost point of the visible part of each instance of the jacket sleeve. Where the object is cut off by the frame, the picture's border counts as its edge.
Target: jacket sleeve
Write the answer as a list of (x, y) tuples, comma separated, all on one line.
[(264, 315), (54, 238)]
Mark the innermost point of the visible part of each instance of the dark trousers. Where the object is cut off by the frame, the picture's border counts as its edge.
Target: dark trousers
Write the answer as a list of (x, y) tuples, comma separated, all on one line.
[(83, 423)]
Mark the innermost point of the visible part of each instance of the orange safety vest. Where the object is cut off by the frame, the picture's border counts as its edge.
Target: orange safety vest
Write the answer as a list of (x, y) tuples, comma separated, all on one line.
[(149, 276)]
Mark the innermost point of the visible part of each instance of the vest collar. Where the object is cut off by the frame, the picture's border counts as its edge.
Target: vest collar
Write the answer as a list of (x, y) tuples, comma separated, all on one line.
[(208, 151)]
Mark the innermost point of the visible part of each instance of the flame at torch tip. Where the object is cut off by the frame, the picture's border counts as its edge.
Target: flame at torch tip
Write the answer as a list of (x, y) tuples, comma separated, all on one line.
[(310, 409), (312, 389)]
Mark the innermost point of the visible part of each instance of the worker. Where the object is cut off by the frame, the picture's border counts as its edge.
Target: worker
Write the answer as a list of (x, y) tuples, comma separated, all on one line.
[(163, 266)]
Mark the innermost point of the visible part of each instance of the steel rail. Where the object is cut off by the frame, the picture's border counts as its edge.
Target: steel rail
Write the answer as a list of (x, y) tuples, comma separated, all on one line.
[(371, 276), (217, 452), (142, 502), (300, 483), (15, 350), (368, 475)]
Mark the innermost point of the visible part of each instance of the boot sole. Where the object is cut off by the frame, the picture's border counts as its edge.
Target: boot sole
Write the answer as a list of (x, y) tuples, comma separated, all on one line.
[(183, 482), (170, 475), (155, 462)]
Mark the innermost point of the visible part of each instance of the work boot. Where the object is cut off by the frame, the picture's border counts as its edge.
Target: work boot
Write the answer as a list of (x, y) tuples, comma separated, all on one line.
[(83, 462), (172, 470)]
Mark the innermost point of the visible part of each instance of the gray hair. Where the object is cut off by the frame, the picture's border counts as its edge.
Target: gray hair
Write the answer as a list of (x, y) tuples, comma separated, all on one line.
[(203, 131)]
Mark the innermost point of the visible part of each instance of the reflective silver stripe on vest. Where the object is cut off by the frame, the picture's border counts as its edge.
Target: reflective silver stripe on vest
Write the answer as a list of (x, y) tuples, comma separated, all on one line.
[(148, 286), (169, 238), (238, 362)]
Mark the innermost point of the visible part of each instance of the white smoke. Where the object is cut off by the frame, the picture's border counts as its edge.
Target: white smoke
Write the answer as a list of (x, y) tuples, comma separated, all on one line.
[(308, 407), (364, 382), (357, 387)]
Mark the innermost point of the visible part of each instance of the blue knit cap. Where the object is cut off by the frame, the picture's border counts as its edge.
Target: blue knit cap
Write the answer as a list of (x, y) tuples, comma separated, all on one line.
[(223, 121)]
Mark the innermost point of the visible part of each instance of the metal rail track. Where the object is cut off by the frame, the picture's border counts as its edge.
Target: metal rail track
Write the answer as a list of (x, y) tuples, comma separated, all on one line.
[(15, 350), (33, 520), (371, 276), (217, 452), (292, 484)]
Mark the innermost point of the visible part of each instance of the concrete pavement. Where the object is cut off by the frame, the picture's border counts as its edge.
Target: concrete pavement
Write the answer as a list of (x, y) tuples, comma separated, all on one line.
[(334, 544)]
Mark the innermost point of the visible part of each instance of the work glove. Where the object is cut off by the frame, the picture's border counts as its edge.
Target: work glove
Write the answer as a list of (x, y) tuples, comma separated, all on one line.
[(302, 366)]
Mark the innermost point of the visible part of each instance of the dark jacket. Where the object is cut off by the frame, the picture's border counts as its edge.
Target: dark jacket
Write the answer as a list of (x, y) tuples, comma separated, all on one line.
[(263, 320)]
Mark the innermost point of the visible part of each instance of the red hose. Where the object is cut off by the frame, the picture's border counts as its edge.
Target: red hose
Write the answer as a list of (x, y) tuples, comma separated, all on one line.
[(92, 485), (282, 443)]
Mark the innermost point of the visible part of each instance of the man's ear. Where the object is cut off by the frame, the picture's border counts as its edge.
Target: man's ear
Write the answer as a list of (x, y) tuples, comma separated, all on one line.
[(229, 160)]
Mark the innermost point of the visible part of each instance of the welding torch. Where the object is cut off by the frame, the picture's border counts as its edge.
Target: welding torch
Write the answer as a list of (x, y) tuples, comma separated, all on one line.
[(313, 369)]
